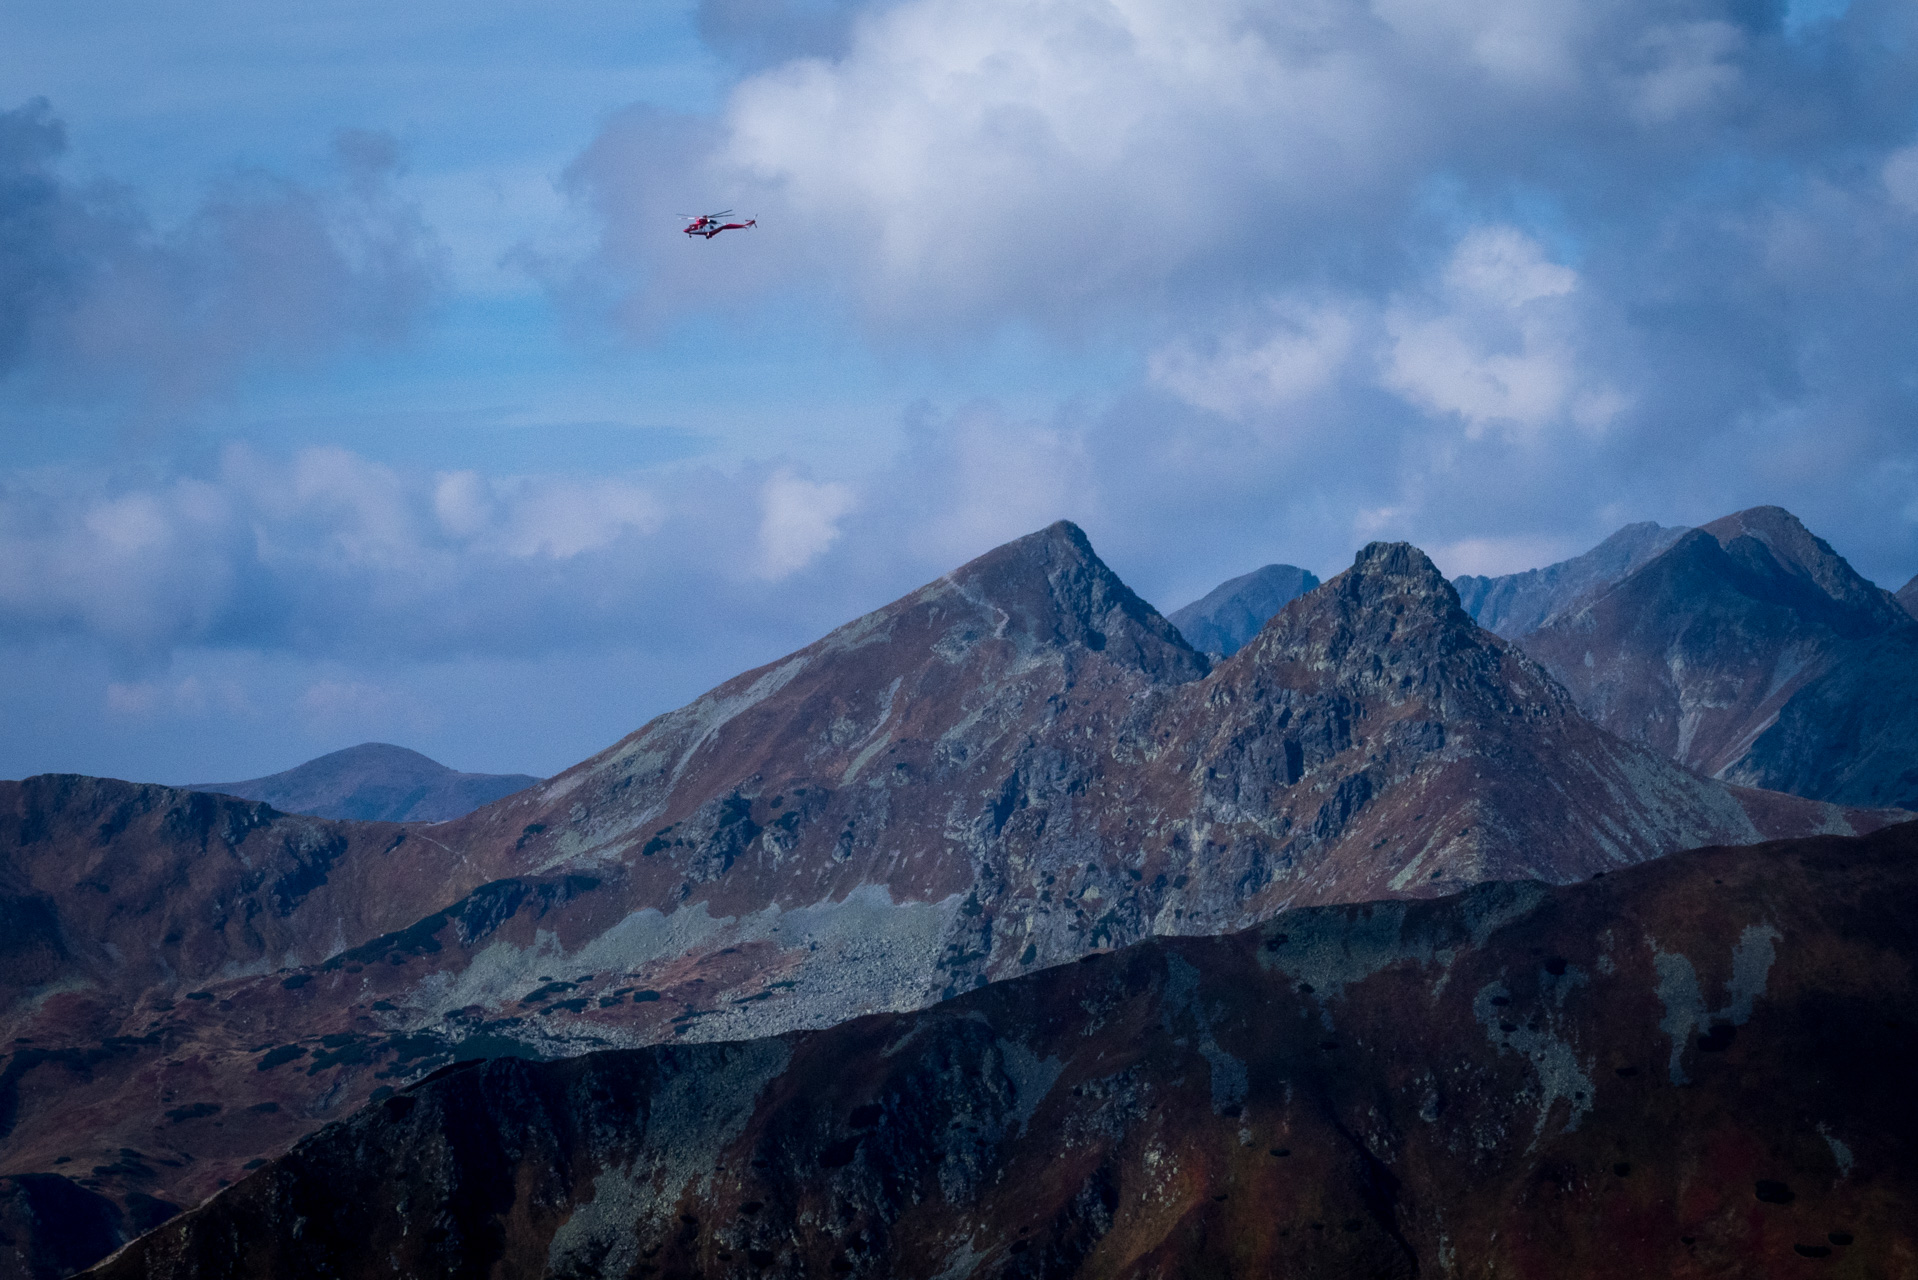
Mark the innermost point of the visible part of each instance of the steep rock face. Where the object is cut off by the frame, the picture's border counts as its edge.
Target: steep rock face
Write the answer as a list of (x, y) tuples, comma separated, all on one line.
[(375, 782), (1753, 653), (1517, 603), (1013, 766), (1222, 620), (1908, 597), (1692, 1068)]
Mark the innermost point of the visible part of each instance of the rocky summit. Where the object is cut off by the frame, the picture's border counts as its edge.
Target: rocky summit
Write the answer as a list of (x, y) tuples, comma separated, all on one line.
[(1017, 765), (1691, 1068), (377, 782), (1908, 597), (1751, 651), (1222, 620)]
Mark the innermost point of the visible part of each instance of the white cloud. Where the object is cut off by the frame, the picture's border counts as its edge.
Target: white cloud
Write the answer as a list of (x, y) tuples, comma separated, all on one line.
[(1496, 344), (1250, 370), (799, 521)]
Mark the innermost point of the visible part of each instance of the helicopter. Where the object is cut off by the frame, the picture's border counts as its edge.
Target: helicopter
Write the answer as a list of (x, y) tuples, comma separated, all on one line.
[(710, 224)]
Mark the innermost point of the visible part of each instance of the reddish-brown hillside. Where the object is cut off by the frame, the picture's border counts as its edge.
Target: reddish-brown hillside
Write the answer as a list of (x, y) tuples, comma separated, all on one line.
[(1694, 1068)]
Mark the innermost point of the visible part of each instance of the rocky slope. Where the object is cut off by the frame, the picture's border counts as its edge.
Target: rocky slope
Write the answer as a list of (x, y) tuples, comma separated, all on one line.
[(1015, 765), (1692, 1068), (375, 782), (1518, 603), (1222, 620), (1908, 597), (1752, 652)]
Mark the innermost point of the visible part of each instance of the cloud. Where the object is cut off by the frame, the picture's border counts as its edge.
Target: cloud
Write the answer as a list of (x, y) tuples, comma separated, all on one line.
[(1497, 345), (1298, 352), (96, 303), (799, 521), (331, 555)]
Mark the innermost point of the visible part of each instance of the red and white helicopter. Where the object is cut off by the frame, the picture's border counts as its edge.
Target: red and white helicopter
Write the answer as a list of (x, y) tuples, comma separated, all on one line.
[(711, 224)]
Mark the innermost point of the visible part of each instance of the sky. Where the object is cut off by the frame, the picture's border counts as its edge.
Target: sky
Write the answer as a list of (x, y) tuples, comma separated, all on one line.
[(356, 382)]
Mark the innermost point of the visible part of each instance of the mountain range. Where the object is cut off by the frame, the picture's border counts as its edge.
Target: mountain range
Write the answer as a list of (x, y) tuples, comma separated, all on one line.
[(1752, 652), (1692, 1068), (375, 782), (1016, 766), (1519, 603)]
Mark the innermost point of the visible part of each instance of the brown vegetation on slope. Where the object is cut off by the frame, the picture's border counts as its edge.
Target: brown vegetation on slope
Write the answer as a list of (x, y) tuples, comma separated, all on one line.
[(1692, 1068)]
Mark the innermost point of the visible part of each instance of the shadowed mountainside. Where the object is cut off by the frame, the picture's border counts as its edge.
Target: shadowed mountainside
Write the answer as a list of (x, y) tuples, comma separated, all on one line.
[(375, 782), (1692, 1068), (1517, 603), (1017, 764), (1221, 621), (1752, 652), (1908, 597)]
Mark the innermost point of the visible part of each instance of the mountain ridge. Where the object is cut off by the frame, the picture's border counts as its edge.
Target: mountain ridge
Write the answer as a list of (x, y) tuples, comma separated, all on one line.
[(1505, 1081), (1226, 617), (1518, 603), (1751, 651)]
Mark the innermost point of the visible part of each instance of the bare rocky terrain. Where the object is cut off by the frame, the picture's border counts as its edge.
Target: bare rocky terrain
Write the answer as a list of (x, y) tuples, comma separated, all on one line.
[(375, 782), (1691, 1068), (1752, 652), (1017, 765)]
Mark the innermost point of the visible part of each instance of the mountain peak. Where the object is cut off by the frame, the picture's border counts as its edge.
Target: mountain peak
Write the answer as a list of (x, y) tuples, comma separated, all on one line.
[(1382, 569), (1051, 588), (1908, 596), (374, 781), (1806, 555)]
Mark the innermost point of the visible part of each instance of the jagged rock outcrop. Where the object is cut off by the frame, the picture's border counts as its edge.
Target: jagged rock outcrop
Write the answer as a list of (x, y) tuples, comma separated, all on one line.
[(1518, 603), (1694, 1067), (1908, 597), (1224, 618), (1752, 652), (1015, 765), (375, 782)]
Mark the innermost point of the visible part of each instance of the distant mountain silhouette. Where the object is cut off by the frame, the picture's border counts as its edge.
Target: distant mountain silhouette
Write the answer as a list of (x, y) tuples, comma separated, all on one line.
[(1517, 603), (375, 782), (1752, 652), (1231, 613), (1696, 1067), (1908, 597)]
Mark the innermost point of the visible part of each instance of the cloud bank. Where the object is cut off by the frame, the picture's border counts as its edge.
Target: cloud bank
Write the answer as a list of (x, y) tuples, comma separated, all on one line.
[(99, 304)]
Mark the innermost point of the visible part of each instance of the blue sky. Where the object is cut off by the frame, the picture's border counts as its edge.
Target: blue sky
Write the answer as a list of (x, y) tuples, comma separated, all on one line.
[(356, 383)]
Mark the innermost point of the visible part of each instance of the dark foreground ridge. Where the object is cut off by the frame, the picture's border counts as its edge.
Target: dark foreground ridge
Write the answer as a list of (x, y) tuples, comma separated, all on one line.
[(1695, 1067)]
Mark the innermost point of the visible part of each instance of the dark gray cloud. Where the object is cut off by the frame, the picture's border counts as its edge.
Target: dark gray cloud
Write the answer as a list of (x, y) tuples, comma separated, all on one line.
[(97, 303)]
